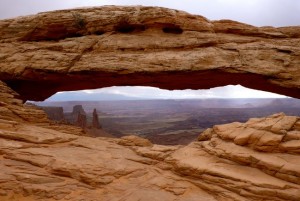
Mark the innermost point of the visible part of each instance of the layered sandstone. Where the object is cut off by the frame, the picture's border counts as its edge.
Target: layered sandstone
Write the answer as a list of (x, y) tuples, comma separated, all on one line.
[(39, 55), (12, 109), (106, 46), (46, 164)]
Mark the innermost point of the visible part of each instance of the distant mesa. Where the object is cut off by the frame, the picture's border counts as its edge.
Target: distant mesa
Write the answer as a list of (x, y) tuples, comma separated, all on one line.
[(78, 109), (79, 117)]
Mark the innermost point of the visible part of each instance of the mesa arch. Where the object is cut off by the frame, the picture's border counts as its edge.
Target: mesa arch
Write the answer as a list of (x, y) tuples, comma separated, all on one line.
[(105, 46)]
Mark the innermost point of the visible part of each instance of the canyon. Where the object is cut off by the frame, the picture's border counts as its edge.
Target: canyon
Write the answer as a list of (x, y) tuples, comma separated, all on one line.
[(97, 47), (166, 122)]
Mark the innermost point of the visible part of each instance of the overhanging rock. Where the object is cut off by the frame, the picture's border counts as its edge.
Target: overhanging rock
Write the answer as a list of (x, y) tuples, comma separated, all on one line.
[(105, 46)]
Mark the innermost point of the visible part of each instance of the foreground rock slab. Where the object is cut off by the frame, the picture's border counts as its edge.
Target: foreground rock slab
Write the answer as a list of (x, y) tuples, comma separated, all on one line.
[(60, 166), (86, 168)]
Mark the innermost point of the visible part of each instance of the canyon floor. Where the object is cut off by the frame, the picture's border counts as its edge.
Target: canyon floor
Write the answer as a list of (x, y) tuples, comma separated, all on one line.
[(166, 122)]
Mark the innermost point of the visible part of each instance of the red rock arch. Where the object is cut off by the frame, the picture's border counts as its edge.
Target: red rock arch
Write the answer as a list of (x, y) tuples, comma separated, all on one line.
[(106, 46)]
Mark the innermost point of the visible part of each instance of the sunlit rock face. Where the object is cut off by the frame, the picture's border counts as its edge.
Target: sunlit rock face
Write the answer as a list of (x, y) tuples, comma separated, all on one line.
[(106, 46), (39, 160)]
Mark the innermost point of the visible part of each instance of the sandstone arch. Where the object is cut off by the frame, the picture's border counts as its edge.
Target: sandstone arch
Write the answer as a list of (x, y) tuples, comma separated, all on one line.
[(99, 47)]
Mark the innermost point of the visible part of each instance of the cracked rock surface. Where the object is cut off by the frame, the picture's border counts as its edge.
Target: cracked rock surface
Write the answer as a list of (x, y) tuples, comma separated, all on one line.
[(112, 45), (256, 160), (97, 47)]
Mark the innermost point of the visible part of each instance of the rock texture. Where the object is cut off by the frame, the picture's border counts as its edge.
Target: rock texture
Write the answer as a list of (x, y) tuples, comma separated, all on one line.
[(39, 55), (52, 51), (12, 109), (256, 160)]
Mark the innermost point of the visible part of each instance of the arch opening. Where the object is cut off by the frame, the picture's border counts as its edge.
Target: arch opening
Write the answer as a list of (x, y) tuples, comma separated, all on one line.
[(38, 86), (162, 116)]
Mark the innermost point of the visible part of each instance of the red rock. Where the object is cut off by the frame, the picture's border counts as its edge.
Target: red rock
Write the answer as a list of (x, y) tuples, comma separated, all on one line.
[(84, 48), (96, 47)]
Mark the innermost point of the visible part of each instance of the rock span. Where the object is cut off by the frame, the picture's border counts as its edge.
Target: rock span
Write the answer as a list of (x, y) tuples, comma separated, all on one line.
[(96, 47), (256, 160), (106, 46)]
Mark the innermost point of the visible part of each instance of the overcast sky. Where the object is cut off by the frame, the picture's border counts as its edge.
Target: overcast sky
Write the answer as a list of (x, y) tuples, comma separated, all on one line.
[(155, 93), (256, 12)]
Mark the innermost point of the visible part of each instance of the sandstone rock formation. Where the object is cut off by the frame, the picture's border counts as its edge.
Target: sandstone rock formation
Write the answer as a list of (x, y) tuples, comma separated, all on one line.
[(106, 46), (39, 55), (95, 120), (256, 160), (54, 113), (79, 116), (12, 109), (78, 109), (81, 120)]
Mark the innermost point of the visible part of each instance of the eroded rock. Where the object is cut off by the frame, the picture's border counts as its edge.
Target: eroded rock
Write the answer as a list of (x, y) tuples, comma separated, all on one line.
[(39, 160), (95, 121), (113, 45)]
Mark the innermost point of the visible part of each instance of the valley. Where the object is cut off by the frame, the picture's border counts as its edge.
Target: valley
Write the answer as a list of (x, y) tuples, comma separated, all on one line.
[(168, 122)]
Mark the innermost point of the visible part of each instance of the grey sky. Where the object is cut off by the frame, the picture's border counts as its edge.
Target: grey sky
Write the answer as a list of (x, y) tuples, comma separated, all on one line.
[(256, 12), (229, 91), (131, 93)]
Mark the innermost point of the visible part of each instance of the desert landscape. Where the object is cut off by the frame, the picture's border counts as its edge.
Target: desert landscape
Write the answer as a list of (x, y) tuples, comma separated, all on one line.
[(168, 122), (256, 159)]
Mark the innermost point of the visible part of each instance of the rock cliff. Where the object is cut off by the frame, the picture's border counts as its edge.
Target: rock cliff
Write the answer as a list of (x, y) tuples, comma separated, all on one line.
[(52, 51), (54, 113), (79, 116), (78, 109), (256, 160)]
